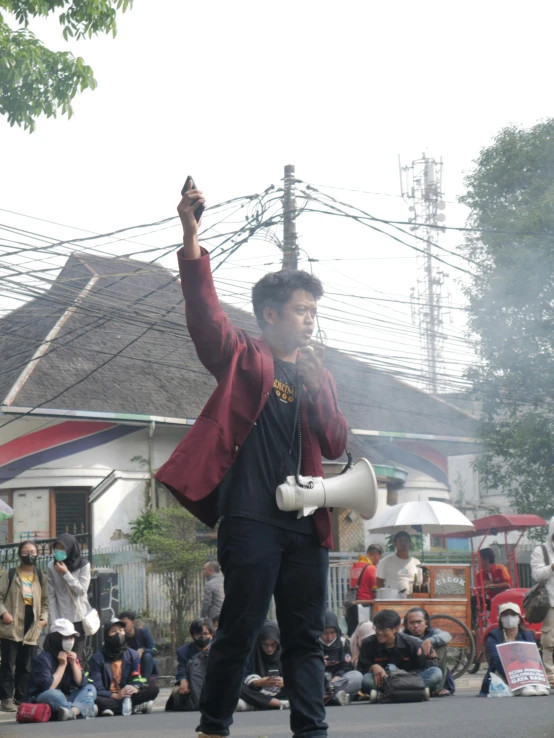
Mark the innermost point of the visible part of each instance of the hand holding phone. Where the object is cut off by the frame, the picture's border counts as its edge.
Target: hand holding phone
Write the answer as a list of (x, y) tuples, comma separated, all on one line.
[(190, 187)]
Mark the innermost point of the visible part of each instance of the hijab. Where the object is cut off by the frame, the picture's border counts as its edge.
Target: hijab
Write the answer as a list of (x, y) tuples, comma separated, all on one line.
[(261, 661), (363, 631), (53, 644), (74, 559), (112, 651)]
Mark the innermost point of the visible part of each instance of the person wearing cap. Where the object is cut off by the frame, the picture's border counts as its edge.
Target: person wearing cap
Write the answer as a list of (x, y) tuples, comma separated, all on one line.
[(542, 570), (115, 672), (400, 569), (510, 629), (57, 677)]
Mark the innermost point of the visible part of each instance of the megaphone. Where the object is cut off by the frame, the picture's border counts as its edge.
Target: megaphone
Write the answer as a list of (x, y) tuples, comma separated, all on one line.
[(355, 490)]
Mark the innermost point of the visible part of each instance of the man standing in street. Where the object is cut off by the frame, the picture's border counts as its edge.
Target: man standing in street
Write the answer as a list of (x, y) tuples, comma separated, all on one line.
[(542, 569), (244, 444), (213, 591), (400, 569)]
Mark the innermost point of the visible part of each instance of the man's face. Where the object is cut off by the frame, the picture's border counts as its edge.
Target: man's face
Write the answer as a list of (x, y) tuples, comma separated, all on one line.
[(486, 564), (116, 628), (416, 624), (295, 323), (129, 626), (206, 571), (329, 635), (387, 636), (402, 544), (375, 557)]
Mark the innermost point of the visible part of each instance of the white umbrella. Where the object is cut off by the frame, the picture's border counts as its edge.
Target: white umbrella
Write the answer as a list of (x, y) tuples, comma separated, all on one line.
[(421, 517)]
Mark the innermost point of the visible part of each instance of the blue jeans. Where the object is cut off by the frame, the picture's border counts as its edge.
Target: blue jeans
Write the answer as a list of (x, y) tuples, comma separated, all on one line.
[(147, 664), (56, 698), (432, 678)]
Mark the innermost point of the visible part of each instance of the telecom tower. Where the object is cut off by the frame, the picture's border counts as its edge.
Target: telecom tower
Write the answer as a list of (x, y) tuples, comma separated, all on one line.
[(421, 186)]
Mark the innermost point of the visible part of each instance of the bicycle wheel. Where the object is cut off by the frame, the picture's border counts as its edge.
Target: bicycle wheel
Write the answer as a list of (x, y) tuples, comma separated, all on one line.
[(461, 649)]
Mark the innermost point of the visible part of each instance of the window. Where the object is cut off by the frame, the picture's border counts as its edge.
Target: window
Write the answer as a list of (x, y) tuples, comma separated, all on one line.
[(72, 511)]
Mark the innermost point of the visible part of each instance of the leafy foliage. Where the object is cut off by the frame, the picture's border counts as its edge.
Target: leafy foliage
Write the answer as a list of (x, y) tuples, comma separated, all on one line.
[(36, 81), (170, 535), (511, 298)]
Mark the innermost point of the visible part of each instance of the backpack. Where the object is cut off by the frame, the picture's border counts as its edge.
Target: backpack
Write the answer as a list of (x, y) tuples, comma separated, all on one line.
[(352, 592), (402, 686), (11, 575), (536, 602), (33, 713)]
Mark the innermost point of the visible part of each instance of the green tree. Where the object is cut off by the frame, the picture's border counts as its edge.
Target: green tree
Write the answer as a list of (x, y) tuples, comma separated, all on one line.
[(35, 80), (170, 536), (510, 193)]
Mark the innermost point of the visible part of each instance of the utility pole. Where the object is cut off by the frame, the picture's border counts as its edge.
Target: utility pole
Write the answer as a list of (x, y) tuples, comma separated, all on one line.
[(421, 186), (290, 242)]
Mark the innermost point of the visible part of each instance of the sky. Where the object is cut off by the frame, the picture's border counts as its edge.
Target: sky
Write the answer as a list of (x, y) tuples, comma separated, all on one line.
[(231, 92)]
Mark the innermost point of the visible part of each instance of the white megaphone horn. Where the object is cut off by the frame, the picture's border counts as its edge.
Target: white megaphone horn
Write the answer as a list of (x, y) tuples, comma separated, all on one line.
[(354, 490)]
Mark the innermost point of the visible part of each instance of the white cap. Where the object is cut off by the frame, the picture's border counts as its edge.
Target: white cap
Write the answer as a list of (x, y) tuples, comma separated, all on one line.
[(509, 606), (63, 626)]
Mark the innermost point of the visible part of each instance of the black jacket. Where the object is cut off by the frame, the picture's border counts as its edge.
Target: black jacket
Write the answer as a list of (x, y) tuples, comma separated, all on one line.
[(338, 656), (404, 654)]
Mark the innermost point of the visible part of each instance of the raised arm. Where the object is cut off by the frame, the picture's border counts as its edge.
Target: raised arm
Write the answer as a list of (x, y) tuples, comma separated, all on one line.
[(213, 334)]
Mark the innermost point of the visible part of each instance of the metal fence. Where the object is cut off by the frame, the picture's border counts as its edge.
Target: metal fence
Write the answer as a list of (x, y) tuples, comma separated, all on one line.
[(9, 557)]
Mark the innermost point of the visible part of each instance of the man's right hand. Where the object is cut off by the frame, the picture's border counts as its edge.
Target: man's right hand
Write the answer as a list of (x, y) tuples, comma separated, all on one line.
[(379, 674), (189, 202), (7, 618), (184, 687)]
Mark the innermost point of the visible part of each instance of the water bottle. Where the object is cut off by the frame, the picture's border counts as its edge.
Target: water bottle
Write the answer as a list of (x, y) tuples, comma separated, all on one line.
[(127, 707), (89, 703)]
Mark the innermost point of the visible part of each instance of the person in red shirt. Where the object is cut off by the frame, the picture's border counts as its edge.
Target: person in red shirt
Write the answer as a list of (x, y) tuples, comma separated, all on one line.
[(368, 576), (494, 577)]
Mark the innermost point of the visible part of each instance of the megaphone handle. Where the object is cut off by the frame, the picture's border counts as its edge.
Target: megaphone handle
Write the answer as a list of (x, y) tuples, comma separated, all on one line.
[(349, 463)]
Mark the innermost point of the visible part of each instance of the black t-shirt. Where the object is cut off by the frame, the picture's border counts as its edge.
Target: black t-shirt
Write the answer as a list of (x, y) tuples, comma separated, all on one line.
[(249, 488)]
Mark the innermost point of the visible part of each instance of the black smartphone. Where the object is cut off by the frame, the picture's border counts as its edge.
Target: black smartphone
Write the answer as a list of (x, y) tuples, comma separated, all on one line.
[(190, 185), (273, 672)]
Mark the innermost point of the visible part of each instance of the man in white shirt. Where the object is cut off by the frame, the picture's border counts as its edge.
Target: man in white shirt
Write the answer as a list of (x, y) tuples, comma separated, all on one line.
[(400, 568)]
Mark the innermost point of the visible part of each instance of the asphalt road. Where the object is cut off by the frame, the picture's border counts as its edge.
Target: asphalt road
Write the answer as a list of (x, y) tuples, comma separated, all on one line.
[(454, 717)]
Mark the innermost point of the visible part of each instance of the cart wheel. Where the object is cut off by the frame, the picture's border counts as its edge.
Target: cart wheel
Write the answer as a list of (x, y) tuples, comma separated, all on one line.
[(474, 668), (461, 649)]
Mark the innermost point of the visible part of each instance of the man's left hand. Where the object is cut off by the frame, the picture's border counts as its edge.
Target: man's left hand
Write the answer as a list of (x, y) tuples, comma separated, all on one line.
[(310, 366), (427, 647), (129, 690)]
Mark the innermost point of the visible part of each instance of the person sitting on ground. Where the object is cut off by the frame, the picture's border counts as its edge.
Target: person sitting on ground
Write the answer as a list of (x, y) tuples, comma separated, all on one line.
[(191, 668), (391, 648), (494, 577), (340, 674), (263, 688), (363, 631), (23, 615), (57, 677), (214, 595), (417, 624), (141, 641), (115, 672), (400, 569), (510, 629)]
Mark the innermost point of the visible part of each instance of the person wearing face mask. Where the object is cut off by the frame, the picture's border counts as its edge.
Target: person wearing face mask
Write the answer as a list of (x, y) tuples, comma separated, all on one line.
[(510, 629), (57, 678), (542, 570), (263, 687), (191, 668), (68, 583), (339, 670), (115, 673), (23, 615)]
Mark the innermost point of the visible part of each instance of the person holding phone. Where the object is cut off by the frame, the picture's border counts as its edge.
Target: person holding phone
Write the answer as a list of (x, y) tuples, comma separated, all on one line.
[(242, 446), (263, 688)]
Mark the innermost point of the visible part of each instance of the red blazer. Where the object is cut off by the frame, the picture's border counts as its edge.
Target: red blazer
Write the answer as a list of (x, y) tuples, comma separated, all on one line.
[(243, 367)]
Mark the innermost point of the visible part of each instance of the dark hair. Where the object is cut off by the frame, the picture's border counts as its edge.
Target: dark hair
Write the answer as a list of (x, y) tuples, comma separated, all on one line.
[(129, 614), (487, 554), (375, 548), (402, 533), (24, 543), (198, 625), (214, 566), (276, 289), (417, 609), (386, 619)]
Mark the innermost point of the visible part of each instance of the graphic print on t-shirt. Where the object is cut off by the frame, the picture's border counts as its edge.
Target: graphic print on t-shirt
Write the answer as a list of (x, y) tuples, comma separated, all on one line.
[(284, 391)]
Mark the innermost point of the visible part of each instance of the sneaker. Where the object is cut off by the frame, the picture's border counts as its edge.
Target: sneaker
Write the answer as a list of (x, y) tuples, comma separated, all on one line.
[(63, 713), (542, 691), (343, 698), (107, 713), (375, 696), (144, 709), (527, 691), (284, 705), (8, 706), (243, 706)]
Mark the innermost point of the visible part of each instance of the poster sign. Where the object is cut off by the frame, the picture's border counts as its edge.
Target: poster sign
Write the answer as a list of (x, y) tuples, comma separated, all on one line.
[(522, 664)]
